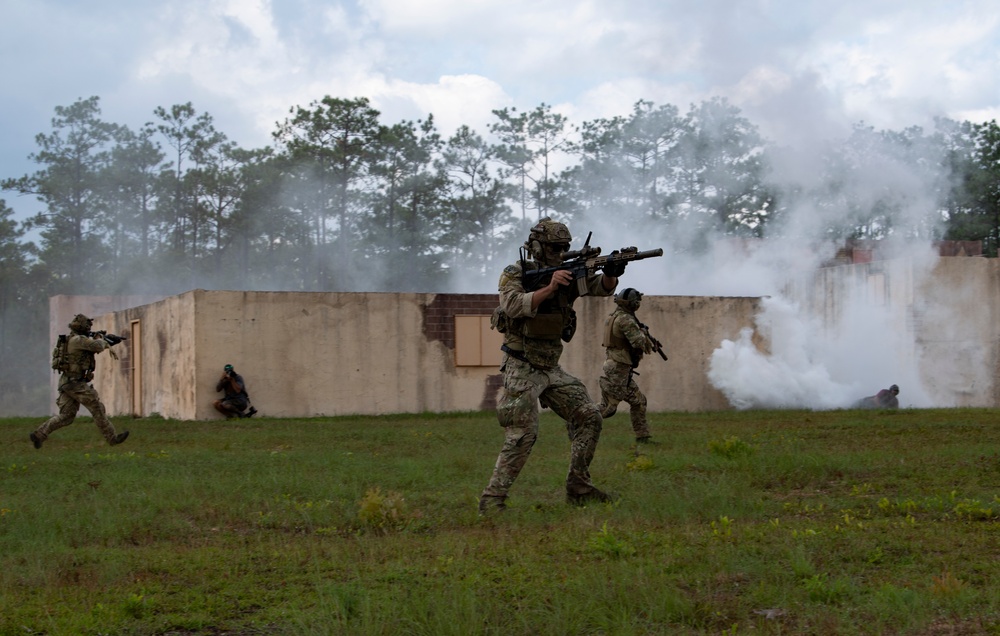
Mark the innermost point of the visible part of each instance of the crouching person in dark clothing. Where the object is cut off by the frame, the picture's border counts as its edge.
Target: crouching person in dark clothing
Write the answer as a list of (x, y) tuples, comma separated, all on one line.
[(236, 399)]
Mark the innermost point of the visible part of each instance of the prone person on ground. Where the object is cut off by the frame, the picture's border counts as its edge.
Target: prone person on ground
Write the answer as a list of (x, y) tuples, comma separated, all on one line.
[(884, 399)]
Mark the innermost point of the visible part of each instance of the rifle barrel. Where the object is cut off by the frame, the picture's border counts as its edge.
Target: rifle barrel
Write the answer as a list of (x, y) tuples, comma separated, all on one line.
[(650, 253)]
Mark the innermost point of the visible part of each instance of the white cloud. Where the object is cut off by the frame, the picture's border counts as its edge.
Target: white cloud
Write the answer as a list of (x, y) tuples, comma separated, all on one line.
[(795, 68)]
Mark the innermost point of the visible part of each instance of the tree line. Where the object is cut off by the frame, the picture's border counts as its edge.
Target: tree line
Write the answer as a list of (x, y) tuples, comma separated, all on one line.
[(343, 202)]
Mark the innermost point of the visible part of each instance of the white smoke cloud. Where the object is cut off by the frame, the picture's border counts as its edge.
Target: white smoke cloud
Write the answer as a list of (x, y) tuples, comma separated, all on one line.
[(794, 373), (814, 365)]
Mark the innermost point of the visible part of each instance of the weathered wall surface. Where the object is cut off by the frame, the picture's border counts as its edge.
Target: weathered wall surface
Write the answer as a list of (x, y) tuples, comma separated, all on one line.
[(165, 350), (311, 354), (690, 328), (63, 308), (314, 354), (957, 332)]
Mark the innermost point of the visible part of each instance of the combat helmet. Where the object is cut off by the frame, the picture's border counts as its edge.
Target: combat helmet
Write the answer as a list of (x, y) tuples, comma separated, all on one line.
[(81, 324), (548, 232), (628, 299)]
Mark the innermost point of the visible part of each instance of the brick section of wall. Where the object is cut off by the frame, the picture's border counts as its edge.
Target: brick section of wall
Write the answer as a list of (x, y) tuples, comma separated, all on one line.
[(439, 316)]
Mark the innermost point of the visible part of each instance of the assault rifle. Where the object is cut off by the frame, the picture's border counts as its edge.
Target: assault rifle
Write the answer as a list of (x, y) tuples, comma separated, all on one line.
[(657, 345), (110, 337), (584, 262)]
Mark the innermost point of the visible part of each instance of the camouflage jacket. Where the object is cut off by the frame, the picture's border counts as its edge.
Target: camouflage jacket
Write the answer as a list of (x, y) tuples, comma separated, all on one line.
[(82, 350), (625, 340), (540, 334)]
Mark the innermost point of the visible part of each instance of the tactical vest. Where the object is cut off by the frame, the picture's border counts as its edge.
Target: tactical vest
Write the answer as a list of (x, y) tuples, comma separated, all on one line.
[(81, 362), (611, 340), (541, 336), (551, 320)]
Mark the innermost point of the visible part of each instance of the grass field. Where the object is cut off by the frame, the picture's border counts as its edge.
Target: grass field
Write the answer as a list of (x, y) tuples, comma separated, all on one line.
[(763, 522)]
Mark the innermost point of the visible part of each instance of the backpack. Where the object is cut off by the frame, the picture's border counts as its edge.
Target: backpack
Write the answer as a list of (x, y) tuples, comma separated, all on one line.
[(60, 354)]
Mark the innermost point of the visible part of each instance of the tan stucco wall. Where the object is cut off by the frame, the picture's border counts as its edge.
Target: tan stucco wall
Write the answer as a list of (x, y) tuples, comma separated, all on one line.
[(166, 351), (958, 334), (690, 328), (63, 308), (309, 354), (313, 354)]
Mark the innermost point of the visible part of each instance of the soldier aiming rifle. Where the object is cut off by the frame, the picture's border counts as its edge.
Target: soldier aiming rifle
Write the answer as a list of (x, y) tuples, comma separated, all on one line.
[(536, 317), (73, 358)]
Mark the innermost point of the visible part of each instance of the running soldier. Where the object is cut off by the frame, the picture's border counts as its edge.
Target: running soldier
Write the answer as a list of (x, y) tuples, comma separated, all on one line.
[(626, 342), (77, 368)]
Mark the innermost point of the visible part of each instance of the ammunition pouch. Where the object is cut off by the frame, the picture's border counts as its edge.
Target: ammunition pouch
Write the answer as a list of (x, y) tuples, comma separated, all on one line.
[(544, 327)]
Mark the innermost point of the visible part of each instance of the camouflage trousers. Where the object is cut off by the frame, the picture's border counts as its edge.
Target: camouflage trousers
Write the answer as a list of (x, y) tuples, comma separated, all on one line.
[(71, 396), (618, 385), (524, 388)]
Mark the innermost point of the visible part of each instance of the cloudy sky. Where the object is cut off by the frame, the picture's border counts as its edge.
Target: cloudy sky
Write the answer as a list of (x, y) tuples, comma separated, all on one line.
[(797, 68)]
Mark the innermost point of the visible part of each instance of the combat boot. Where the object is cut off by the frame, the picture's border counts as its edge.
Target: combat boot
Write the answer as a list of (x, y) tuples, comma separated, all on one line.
[(592, 496), (36, 440), (119, 438), (489, 505)]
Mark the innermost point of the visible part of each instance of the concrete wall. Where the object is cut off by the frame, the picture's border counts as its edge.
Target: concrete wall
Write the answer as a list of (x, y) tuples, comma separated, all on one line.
[(314, 354), (955, 318)]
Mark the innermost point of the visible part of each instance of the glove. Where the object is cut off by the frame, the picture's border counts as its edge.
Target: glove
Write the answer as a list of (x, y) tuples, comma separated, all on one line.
[(614, 269)]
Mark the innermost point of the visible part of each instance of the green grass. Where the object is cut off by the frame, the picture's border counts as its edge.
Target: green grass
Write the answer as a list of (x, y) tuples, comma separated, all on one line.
[(764, 522)]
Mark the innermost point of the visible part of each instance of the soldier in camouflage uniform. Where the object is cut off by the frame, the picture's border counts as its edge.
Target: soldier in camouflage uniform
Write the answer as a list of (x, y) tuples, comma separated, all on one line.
[(626, 342), (535, 323), (75, 387)]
